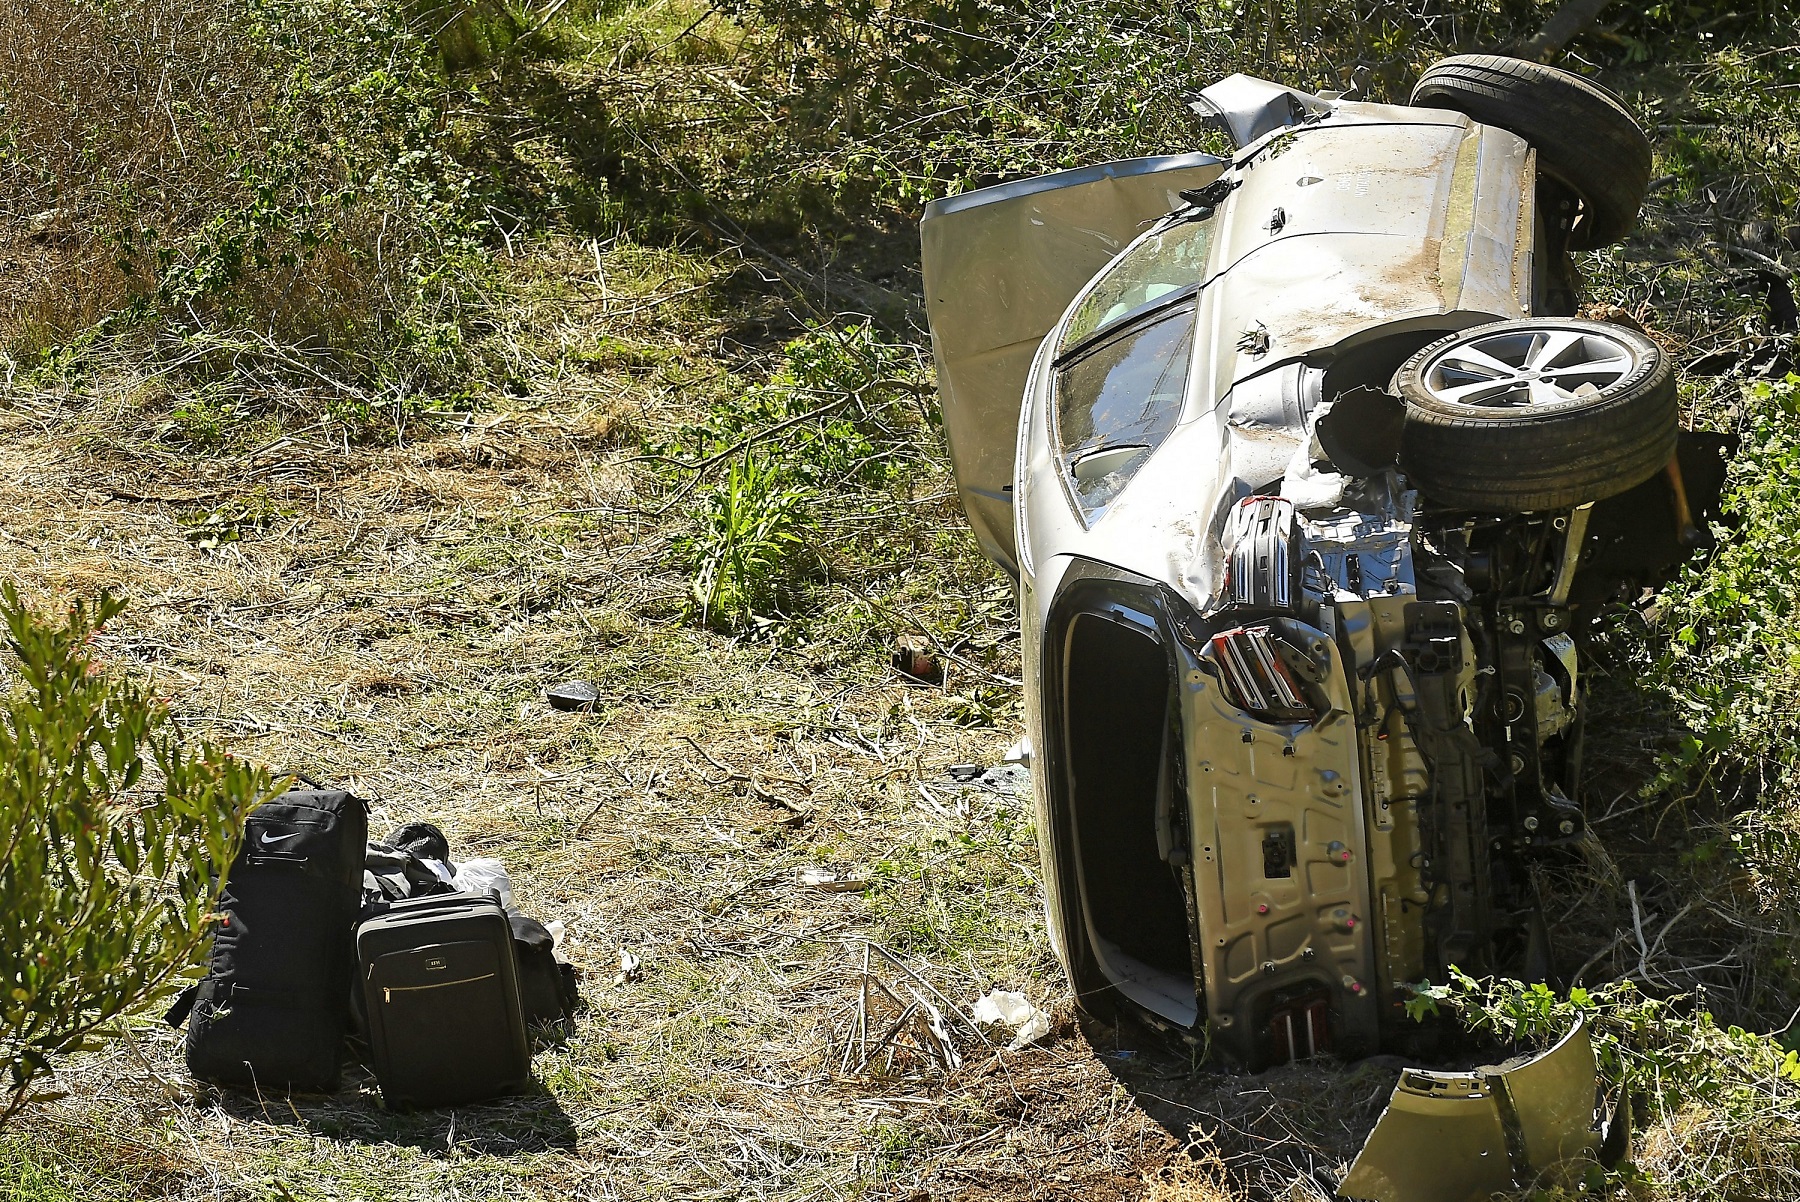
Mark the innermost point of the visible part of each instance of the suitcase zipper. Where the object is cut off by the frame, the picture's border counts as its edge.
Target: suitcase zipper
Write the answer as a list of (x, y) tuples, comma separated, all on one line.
[(388, 991)]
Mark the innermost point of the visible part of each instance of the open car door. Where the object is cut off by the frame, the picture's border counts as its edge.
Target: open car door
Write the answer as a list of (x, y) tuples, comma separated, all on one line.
[(1001, 264)]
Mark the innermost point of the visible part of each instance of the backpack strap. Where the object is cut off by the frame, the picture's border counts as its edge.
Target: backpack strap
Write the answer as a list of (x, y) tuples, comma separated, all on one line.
[(184, 1004)]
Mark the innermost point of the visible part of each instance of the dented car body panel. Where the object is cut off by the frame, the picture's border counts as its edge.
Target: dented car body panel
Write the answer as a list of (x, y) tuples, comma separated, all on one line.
[(1466, 1136)]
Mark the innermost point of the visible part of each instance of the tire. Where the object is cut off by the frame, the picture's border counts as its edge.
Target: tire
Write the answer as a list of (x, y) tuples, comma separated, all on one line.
[(1575, 412), (1585, 137)]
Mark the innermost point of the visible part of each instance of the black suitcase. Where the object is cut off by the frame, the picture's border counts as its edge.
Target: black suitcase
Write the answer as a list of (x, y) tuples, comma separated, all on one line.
[(440, 984), (271, 1012)]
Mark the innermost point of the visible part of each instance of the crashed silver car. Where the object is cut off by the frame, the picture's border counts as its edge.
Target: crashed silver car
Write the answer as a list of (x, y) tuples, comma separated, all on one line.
[(1311, 483)]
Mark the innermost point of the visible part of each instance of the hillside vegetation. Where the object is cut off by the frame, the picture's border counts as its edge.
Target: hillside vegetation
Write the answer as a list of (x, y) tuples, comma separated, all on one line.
[(396, 359)]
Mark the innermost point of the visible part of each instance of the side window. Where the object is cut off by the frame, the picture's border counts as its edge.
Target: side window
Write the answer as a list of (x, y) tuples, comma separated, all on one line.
[(1150, 270), (1116, 401)]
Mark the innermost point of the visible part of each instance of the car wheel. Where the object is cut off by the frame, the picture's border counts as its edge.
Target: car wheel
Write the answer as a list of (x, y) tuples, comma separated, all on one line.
[(1534, 415), (1585, 136)]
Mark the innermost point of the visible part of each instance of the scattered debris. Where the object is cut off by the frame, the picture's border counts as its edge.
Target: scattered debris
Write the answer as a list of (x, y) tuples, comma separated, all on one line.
[(628, 968), (831, 882), (572, 696), (913, 657), (1029, 1024), (1009, 778)]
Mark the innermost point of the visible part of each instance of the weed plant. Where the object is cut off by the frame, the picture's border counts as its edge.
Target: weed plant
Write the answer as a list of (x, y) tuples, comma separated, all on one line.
[(246, 190), (826, 439)]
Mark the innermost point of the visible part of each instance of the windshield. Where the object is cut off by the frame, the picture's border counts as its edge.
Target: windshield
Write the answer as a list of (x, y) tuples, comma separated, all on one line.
[(1117, 400), (1163, 263)]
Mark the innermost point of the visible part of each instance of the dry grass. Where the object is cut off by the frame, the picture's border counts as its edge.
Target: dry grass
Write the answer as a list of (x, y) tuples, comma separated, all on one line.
[(132, 125), (385, 617)]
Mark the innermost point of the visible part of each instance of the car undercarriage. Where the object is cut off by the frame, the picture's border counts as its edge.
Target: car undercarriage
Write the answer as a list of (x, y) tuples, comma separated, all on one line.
[(1317, 487)]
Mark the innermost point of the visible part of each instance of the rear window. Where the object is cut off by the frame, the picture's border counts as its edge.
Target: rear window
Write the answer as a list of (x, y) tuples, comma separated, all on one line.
[(1117, 399)]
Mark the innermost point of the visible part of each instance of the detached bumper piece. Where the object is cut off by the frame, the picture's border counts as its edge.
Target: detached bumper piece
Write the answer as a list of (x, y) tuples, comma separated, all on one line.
[(1266, 555), (1461, 1137)]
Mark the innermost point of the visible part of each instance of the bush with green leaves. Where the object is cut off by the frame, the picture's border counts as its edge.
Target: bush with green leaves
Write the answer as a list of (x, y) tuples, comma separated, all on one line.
[(111, 827), (1725, 653), (833, 412)]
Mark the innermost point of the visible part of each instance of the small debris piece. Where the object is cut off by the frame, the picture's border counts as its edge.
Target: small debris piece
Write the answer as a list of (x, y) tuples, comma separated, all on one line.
[(628, 968), (572, 696), (1254, 343), (831, 882), (913, 657), (964, 773), (1029, 1024), (1006, 778)]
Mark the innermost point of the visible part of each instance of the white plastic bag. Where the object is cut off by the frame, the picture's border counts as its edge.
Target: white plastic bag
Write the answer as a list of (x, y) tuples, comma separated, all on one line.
[(444, 872), (478, 876), (1015, 1010)]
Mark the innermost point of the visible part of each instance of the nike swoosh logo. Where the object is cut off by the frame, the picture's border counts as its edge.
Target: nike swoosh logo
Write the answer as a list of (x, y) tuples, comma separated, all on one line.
[(267, 838)]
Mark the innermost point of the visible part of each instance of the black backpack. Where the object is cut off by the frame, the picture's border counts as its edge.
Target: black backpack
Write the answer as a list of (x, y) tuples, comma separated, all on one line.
[(547, 988), (272, 1010)]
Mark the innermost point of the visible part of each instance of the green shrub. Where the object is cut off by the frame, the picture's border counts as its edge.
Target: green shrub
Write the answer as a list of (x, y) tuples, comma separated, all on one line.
[(1725, 652), (832, 413), (110, 828)]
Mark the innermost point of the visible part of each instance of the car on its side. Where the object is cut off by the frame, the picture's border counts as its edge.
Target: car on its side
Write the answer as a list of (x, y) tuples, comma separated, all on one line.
[(1311, 482)]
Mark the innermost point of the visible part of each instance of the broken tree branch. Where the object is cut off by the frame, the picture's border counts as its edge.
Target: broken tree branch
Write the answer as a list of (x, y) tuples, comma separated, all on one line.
[(1561, 29)]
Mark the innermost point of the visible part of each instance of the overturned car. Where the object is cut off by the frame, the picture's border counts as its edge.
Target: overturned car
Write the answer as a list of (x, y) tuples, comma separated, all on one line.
[(1311, 482)]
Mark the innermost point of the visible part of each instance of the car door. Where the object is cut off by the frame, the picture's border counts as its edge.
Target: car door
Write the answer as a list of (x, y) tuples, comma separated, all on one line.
[(1000, 265)]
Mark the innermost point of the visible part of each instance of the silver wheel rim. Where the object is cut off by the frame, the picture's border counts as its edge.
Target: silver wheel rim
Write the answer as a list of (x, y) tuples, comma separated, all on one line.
[(1536, 366)]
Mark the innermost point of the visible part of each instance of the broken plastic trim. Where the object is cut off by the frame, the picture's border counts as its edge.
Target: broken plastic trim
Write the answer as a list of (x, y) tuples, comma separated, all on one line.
[(1461, 1137), (1246, 108)]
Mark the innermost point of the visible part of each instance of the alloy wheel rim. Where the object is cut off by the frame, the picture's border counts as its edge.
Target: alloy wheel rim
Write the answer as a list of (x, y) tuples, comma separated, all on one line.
[(1535, 367)]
